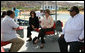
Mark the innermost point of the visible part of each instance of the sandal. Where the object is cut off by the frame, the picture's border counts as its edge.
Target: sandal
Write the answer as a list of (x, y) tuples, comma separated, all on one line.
[(36, 41), (41, 46)]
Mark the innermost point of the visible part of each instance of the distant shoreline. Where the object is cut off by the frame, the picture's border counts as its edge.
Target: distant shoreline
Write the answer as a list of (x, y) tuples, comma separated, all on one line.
[(82, 12)]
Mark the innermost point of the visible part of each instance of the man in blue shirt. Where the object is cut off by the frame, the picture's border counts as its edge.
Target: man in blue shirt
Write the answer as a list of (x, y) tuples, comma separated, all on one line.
[(16, 13)]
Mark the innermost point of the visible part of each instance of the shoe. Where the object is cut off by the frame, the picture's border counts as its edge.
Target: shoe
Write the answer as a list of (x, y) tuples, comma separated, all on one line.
[(41, 46), (36, 41), (29, 39)]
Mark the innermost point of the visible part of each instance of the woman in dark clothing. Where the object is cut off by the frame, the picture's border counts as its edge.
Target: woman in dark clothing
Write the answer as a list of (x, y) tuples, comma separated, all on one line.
[(33, 24)]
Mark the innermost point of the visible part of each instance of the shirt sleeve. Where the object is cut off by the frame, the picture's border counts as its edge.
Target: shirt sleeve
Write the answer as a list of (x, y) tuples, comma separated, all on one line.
[(13, 24), (82, 33), (17, 10), (29, 21)]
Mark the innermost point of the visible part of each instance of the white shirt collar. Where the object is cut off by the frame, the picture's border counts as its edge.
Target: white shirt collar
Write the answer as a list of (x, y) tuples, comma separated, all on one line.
[(75, 15), (9, 17)]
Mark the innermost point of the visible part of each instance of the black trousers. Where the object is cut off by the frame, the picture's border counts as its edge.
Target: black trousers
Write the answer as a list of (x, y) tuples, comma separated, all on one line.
[(74, 46), (42, 34), (29, 29)]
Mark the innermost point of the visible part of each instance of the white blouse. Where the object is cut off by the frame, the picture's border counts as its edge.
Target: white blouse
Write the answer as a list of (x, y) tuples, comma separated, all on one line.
[(47, 22)]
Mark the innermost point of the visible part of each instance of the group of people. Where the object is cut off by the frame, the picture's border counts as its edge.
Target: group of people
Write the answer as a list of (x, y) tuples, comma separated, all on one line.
[(72, 34), (46, 25)]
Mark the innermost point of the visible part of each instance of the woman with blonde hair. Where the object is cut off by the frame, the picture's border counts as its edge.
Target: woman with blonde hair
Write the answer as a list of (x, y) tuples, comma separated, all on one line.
[(46, 25)]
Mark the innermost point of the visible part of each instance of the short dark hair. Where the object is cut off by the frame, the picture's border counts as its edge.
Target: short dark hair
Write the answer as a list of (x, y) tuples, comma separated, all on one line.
[(4, 13), (9, 12), (33, 13), (14, 8)]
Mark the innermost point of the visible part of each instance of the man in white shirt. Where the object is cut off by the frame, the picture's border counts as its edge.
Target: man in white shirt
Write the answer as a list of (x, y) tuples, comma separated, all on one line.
[(8, 32), (73, 32), (40, 14)]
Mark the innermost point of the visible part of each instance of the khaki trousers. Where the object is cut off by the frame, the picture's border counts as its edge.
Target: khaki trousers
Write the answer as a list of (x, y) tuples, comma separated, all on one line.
[(17, 43)]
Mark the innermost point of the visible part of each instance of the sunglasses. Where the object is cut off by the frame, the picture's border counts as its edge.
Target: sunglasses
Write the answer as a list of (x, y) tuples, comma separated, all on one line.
[(70, 10)]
